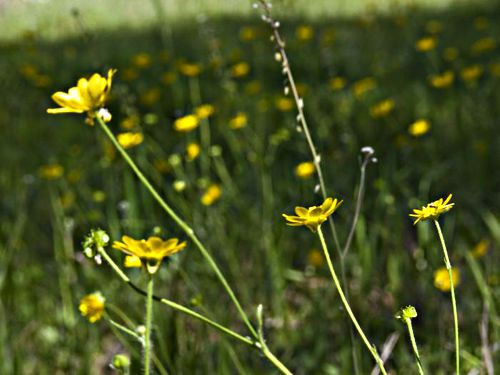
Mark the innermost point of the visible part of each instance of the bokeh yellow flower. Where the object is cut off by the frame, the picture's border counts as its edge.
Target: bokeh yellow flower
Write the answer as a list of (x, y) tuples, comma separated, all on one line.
[(92, 306), (51, 171), (382, 108), (151, 251), (433, 210), (419, 127), (130, 139), (442, 81), (426, 44), (132, 261), (471, 73), (361, 87), (481, 248), (190, 69), (204, 111), (239, 121), (304, 33), (316, 258), (314, 216), (211, 195), (337, 83), (192, 151), (240, 69), (186, 123), (142, 60), (247, 33), (442, 278), (284, 104), (483, 45), (305, 170)]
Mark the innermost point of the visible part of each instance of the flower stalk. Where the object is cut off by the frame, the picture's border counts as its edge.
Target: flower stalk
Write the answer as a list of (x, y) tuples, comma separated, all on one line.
[(149, 321)]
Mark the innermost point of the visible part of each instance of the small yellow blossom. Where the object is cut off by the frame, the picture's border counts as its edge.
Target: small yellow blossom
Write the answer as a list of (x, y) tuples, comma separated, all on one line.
[(130, 139), (315, 258), (211, 195), (186, 123), (426, 44), (284, 104), (442, 278), (240, 69), (51, 171), (362, 86), (304, 33), (92, 306), (483, 45), (247, 33), (142, 60), (450, 53), (406, 313), (239, 121), (481, 248), (471, 73), (192, 151), (88, 96), (204, 111), (382, 109), (433, 210), (314, 216), (337, 83), (419, 128), (190, 69), (151, 251), (305, 170), (442, 81), (129, 122)]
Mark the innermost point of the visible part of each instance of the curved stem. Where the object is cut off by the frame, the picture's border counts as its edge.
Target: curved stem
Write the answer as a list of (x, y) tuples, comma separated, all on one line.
[(182, 224), (452, 291), (149, 321), (371, 348), (414, 346)]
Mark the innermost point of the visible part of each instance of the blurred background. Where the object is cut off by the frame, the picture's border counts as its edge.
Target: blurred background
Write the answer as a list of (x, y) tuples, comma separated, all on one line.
[(416, 80)]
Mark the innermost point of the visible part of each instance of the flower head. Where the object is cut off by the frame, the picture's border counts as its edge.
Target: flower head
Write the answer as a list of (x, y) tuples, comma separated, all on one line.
[(88, 96), (406, 313), (419, 128), (92, 306), (130, 139), (442, 278), (186, 123), (305, 170), (151, 251), (432, 210), (211, 195), (314, 216)]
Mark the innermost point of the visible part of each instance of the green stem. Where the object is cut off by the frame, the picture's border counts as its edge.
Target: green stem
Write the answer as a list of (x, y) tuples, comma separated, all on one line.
[(371, 348), (149, 320), (452, 291), (182, 224), (414, 345)]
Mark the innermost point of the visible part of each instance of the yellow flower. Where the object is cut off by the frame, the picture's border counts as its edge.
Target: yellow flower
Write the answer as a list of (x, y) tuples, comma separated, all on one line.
[(132, 261), (471, 73), (240, 69), (186, 123), (130, 139), (382, 109), (190, 69), (142, 60), (432, 210), (481, 248), (211, 195), (419, 128), (284, 104), (239, 121), (305, 170), (151, 251), (337, 83), (304, 32), (51, 171), (362, 86), (442, 278), (204, 111), (442, 81), (192, 151), (315, 258), (88, 96), (426, 44), (481, 23), (483, 45), (247, 33), (92, 306), (314, 216)]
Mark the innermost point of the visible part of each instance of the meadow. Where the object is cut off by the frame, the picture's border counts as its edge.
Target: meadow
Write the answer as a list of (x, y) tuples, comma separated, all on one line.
[(418, 84)]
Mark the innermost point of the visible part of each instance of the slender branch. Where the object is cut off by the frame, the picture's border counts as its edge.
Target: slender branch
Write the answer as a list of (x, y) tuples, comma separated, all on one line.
[(414, 346)]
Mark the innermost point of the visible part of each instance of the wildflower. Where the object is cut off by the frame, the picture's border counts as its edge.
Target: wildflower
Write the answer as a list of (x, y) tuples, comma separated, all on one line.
[(186, 123), (471, 73), (51, 171), (442, 81), (192, 151), (362, 86), (426, 44), (284, 104), (142, 60), (179, 185), (204, 111), (337, 83), (315, 258), (211, 195), (130, 139), (483, 45), (247, 33), (419, 128), (442, 278), (151, 251), (305, 170), (240, 69), (433, 210), (481, 248), (450, 53), (129, 122), (190, 69), (406, 313), (239, 121), (121, 363), (132, 261), (314, 216), (92, 306), (304, 32), (382, 109), (88, 96)]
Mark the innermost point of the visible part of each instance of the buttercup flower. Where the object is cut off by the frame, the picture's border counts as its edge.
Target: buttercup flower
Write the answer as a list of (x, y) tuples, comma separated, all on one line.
[(433, 210), (419, 127), (426, 44), (192, 151), (151, 251), (239, 121), (204, 111), (442, 278), (305, 170), (51, 171), (382, 109), (186, 123), (314, 216), (441, 81), (240, 69), (212, 194), (130, 139), (92, 306), (88, 96)]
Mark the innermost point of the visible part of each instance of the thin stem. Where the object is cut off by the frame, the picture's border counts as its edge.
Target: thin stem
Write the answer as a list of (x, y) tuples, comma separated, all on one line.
[(149, 321), (452, 291), (124, 329), (414, 345), (371, 348), (182, 224)]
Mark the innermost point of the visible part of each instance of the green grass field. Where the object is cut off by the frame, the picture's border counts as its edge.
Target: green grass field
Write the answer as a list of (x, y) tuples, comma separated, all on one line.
[(365, 76)]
